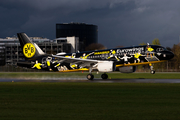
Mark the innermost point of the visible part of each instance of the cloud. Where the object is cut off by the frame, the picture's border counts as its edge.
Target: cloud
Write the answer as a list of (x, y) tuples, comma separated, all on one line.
[(120, 22)]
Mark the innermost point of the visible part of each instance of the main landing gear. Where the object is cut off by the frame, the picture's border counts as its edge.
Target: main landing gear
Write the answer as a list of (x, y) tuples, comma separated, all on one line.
[(91, 76), (104, 76)]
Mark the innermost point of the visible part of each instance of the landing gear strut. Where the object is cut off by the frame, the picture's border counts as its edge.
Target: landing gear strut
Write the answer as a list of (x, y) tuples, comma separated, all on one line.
[(90, 76)]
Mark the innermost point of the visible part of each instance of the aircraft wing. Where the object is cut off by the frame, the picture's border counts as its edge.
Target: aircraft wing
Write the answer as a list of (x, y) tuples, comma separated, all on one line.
[(88, 62), (78, 61)]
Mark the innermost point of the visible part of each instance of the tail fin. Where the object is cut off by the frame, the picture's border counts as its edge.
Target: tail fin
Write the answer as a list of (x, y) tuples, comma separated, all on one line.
[(30, 49)]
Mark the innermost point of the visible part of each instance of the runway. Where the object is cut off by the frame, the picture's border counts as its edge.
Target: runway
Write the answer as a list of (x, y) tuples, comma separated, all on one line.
[(91, 81)]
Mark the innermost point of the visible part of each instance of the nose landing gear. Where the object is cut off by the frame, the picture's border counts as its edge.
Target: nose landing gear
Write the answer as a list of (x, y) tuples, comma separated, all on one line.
[(151, 68), (153, 72)]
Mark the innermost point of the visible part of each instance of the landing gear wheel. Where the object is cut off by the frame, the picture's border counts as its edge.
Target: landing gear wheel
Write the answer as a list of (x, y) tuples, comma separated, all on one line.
[(104, 76), (90, 77), (152, 72)]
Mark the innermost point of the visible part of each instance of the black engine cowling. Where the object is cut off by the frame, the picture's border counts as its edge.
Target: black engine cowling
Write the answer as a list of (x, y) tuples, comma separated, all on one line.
[(128, 69)]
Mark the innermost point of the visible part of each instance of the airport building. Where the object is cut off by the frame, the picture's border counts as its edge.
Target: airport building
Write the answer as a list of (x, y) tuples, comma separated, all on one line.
[(73, 41), (86, 33)]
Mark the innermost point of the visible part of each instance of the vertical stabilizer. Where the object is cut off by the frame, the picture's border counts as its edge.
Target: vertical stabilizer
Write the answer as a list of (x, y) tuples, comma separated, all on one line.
[(30, 49)]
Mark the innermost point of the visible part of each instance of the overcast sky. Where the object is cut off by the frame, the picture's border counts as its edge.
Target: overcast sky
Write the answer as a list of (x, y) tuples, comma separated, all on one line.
[(120, 22)]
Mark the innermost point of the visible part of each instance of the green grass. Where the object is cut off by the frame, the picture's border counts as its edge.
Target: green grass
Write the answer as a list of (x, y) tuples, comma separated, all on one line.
[(93, 101), (113, 75)]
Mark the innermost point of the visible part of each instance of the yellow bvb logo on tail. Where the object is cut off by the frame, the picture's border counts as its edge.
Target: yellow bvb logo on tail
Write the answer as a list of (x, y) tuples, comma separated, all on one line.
[(29, 50)]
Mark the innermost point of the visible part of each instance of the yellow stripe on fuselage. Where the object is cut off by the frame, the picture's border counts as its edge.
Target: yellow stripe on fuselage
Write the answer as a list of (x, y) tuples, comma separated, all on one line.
[(143, 63), (75, 70)]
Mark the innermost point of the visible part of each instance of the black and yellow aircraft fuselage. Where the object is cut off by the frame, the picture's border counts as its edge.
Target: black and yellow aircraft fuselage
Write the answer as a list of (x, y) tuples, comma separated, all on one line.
[(126, 59)]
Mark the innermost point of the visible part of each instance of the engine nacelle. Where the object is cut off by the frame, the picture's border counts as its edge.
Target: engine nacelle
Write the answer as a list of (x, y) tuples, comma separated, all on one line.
[(128, 69), (106, 66)]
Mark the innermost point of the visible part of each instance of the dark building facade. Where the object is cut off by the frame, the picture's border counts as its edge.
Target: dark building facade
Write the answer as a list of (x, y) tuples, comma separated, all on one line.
[(87, 33), (2, 55)]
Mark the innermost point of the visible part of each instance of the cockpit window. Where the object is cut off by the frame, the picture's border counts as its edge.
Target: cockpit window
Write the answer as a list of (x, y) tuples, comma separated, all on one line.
[(161, 49), (165, 49)]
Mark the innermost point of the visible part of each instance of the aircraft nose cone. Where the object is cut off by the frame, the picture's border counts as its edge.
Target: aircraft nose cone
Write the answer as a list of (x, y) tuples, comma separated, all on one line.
[(166, 55), (170, 55)]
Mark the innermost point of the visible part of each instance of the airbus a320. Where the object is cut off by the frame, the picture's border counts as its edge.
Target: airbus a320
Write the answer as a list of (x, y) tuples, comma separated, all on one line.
[(108, 60)]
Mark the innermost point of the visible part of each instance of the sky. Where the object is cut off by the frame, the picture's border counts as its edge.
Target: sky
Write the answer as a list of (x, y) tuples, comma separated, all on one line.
[(120, 22)]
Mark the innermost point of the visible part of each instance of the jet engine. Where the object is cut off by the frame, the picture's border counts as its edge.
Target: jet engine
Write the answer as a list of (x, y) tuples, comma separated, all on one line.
[(106, 66), (128, 69)]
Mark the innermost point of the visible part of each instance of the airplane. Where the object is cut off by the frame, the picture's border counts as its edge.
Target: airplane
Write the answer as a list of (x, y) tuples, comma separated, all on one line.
[(108, 60)]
